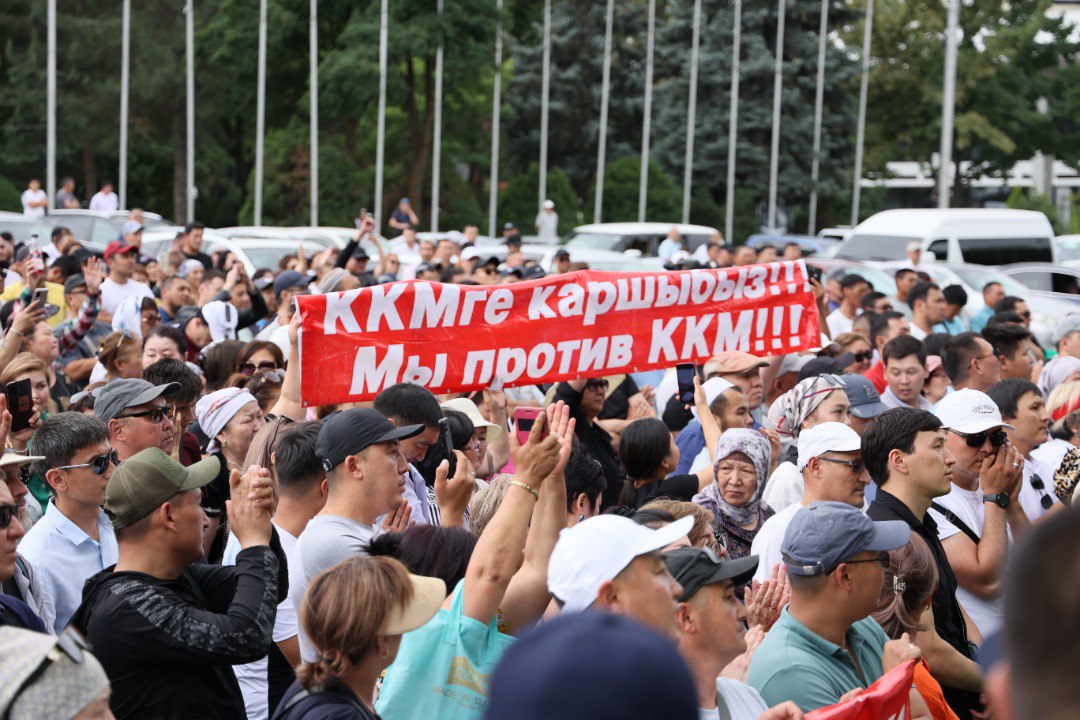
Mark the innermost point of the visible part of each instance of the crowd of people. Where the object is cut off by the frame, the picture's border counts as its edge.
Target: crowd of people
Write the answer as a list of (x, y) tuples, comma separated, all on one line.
[(184, 537)]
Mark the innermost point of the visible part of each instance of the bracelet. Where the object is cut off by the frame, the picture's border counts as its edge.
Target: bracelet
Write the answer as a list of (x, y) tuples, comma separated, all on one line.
[(17, 332), (535, 494)]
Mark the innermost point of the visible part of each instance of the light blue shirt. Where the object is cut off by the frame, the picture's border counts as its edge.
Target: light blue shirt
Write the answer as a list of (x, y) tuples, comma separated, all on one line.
[(979, 319), (950, 327), (65, 557), (668, 247)]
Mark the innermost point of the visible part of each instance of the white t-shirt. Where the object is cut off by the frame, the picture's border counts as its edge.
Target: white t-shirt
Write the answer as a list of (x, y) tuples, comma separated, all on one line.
[(735, 701), (252, 676), (1030, 498), (901, 307), (326, 541), (547, 226), (784, 488), (916, 332), (30, 196), (769, 537), (1052, 452), (106, 202), (839, 323), (968, 506), (113, 293)]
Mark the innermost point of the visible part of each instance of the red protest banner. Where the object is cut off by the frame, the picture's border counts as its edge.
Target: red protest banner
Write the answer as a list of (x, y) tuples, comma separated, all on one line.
[(457, 337), (886, 699)]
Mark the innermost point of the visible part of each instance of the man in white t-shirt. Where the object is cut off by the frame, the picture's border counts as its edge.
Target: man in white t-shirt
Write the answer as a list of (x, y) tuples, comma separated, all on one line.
[(711, 635), (852, 289), (974, 520), (407, 249), (832, 469), (119, 286), (105, 200), (547, 223), (34, 200)]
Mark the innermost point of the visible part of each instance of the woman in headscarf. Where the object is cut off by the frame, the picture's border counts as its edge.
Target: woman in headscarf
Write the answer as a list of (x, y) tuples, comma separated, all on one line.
[(812, 401), (734, 497), (221, 318), (1062, 369)]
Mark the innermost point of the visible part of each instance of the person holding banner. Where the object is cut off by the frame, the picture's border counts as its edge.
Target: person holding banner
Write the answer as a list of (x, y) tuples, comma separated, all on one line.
[(585, 398)]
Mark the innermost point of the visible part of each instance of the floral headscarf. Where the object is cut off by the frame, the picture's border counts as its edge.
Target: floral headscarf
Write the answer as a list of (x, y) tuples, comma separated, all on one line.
[(755, 446), (788, 412)]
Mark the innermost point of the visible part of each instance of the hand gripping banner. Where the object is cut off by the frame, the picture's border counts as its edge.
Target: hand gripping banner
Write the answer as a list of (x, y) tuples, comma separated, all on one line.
[(453, 338)]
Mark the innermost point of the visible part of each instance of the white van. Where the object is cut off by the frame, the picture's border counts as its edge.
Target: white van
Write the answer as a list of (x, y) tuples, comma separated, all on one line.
[(984, 236)]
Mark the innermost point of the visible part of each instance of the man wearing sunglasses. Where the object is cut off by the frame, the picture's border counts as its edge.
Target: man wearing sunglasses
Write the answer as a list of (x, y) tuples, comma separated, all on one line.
[(74, 540), (137, 415), (13, 611), (975, 519)]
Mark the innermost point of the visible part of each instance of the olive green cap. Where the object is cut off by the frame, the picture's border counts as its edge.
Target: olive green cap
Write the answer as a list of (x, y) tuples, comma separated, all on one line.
[(149, 478)]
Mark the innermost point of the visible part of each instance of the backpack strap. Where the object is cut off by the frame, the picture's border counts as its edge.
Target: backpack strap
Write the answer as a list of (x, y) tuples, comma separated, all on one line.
[(960, 524)]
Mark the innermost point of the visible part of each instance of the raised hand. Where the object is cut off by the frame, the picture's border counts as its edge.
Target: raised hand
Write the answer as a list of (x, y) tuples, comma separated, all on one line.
[(765, 601), (452, 495), (94, 273)]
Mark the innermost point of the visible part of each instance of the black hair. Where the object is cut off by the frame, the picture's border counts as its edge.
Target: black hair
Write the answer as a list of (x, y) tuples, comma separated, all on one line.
[(902, 272), (1006, 317), (297, 467), (935, 343), (719, 403), (643, 445), (959, 352), (211, 274), (429, 550), (955, 295), (990, 284), (851, 280), (879, 325), (460, 427), (583, 475), (901, 347), (1006, 394), (652, 517), (64, 434), (68, 265), (786, 245), (921, 291), (408, 404), (894, 429), (870, 298), (193, 225), (170, 332), (1008, 304), (172, 370), (218, 362), (58, 231), (1005, 337)]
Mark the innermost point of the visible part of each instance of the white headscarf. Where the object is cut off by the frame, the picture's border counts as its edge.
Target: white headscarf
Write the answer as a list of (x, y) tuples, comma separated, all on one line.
[(713, 388), (128, 316), (214, 411), (221, 319)]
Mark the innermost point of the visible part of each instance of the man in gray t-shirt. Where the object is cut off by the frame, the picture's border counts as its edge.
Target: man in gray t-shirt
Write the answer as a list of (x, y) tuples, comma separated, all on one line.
[(365, 479)]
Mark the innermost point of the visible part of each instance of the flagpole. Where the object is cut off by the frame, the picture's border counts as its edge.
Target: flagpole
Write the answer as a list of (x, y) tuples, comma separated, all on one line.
[(436, 157), (260, 114), (733, 122), (691, 113), (50, 107), (646, 120), (774, 156), (605, 94), (313, 109), (496, 106), (545, 91), (189, 21), (948, 105), (125, 79), (819, 104), (860, 128), (380, 131)]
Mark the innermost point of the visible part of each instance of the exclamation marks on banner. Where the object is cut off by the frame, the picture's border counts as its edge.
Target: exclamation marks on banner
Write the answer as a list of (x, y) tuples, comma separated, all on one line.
[(774, 288), (794, 316), (789, 272), (762, 316), (777, 326)]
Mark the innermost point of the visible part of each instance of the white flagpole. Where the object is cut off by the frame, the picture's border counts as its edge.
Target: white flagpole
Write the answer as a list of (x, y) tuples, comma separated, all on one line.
[(260, 114), (189, 12), (819, 105), (436, 158), (605, 94), (125, 79), (646, 120), (948, 105), (380, 132), (733, 122), (545, 91), (691, 114), (496, 106), (774, 157), (50, 107), (313, 99), (860, 128)]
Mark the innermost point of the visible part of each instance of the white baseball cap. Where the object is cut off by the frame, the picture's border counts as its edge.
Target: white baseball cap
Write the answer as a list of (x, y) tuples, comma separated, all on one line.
[(969, 411), (793, 363), (826, 437), (549, 204), (596, 550), (712, 388)]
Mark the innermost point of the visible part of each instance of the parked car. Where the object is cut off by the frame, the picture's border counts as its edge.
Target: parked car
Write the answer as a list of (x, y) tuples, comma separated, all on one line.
[(640, 238), (1047, 278), (879, 279), (980, 235), (605, 260), (95, 229), (811, 246), (839, 234), (23, 228)]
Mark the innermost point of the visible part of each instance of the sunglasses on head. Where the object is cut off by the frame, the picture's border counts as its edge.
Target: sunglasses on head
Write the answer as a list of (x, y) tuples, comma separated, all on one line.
[(98, 464), (977, 440), (250, 368)]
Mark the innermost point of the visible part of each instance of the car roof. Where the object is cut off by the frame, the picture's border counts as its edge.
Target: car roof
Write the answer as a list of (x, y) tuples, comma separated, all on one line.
[(652, 228), (917, 223)]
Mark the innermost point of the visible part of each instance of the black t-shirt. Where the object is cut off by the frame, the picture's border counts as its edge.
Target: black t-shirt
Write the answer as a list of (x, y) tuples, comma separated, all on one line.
[(596, 440), (202, 257), (676, 487), (617, 404)]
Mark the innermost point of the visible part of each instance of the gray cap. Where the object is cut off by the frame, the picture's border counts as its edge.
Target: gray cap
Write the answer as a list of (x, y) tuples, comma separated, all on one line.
[(1066, 326), (825, 534), (864, 398), (74, 281), (47, 676), (112, 399)]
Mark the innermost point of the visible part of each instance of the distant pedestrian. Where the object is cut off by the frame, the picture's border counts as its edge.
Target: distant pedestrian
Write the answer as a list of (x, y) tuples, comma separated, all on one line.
[(105, 200), (404, 216), (34, 200), (547, 223), (65, 196)]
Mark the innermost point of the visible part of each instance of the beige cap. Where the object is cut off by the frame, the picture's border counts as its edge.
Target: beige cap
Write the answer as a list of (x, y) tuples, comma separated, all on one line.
[(467, 406), (733, 361), (427, 596)]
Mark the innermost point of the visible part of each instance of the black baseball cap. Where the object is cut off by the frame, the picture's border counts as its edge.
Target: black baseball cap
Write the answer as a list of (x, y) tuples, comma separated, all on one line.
[(823, 364), (360, 254), (349, 432), (562, 254), (694, 568)]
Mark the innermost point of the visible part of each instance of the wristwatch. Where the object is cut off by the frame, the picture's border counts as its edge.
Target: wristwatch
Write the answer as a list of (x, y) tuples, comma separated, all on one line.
[(1000, 499)]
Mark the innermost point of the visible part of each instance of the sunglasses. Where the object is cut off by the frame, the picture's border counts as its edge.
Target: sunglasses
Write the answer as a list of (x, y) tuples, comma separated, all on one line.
[(98, 464), (977, 440), (7, 514), (250, 368), (597, 384), (863, 356), (1046, 501), (857, 466), (157, 415)]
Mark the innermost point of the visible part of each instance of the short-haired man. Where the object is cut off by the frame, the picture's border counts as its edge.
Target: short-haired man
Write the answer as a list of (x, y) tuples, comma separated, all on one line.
[(831, 470), (905, 452), (825, 644), (561, 262), (905, 373), (1012, 346), (287, 285), (884, 327), (165, 626), (927, 304), (119, 285), (711, 633), (955, 300), (992, 294), (792, 251), (613, 564), (137, 415), (974, 520), (1067, 336), (175, 294), (906, 278), (191, 244), (28, 583), (742, 370), (105, 199), (189, 387), (745, 255), (1013, 304), (852, 289), (74, 539), (1022, 406), (301, 483), (970, 362)]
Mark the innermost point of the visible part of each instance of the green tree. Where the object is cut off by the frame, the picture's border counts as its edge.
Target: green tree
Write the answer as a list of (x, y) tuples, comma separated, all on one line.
[(622, 179), (517, 203)]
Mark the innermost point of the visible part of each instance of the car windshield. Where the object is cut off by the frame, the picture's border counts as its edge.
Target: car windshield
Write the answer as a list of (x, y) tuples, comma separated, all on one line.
[(594, 241), (875, 247), (22, 230), (976, 278), (1068, 249)]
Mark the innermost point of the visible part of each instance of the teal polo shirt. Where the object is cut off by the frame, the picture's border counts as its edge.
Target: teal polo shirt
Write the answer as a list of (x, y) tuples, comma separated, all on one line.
[(792, 663)]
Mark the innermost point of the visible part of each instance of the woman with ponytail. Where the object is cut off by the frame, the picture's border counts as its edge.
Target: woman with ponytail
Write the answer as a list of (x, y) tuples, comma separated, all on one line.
[(904, 607), (355, 613)]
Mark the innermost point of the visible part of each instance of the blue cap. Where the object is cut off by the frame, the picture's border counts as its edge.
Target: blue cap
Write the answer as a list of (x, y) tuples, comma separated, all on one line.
[(589, 665), (863, 396), (288, 279), (825, 534)]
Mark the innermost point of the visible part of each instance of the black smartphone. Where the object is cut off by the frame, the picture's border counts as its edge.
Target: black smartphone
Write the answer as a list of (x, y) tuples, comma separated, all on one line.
[(684, 374), (447, 446), (20, 404), (814, 272)]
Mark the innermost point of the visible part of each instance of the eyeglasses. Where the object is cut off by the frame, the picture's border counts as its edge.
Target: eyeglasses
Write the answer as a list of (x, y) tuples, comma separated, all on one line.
[(250, 368), (157, 415), (882, 559), (863, 356), (98, 464), (7, 514), (976, 440), (1046, 501), (857, 466), (489, 271)]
